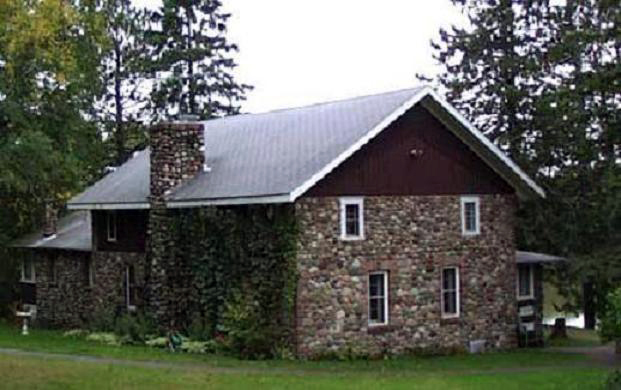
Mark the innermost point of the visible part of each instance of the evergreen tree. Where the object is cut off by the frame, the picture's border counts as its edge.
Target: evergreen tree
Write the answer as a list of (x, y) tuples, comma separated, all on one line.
[(543, 82), (193, 61), (491, 70), (127, 89)]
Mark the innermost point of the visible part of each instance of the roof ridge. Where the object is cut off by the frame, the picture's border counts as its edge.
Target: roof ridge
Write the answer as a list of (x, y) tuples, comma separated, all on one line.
[(318, 104)]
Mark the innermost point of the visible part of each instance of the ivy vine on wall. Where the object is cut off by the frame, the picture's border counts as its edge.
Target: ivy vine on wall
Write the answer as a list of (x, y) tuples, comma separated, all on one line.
[(242, 263)]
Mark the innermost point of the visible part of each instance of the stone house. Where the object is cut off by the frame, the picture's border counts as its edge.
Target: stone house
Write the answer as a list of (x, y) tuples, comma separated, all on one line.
[(405, 214)]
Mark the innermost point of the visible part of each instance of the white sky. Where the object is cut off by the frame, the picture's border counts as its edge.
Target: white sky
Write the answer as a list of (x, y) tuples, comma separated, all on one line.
[(299, 52)]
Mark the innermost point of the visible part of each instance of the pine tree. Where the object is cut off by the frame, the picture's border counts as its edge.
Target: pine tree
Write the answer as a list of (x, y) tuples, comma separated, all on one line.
[(127, 87), (543, 82), (193, 61), (491, 69)]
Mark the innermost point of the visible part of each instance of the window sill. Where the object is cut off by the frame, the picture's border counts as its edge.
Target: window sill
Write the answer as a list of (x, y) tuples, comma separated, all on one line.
[(351, 238), (380, 328), (450, 320), (470, 234), (526, 298)]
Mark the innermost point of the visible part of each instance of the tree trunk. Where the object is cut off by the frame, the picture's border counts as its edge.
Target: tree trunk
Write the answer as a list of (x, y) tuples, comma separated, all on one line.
[(119, 131), (589, 305)]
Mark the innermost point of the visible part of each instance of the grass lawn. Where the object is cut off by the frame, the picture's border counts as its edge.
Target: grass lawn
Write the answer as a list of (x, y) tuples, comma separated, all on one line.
[(575, 338), (511, 370)]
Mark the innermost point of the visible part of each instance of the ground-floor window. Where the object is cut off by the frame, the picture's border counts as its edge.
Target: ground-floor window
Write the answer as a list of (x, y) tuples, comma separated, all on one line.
[(525, 282), (450, 292), (28, 271), (130, 287), (378, 298)]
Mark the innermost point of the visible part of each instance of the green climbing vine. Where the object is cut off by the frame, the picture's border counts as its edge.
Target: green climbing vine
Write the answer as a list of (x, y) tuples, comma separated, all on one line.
[(243, 271)]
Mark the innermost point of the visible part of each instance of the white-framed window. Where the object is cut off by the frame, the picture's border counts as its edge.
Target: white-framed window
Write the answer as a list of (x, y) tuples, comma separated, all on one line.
[(28, 271), (111, 226), (378, 298), (470, 215), (130, 287), (525, 282), (450, 292), (352, 218)]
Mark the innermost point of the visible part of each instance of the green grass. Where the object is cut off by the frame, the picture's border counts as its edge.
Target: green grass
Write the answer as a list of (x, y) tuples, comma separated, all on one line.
[(575, 338), (510, 370), (45, 374)]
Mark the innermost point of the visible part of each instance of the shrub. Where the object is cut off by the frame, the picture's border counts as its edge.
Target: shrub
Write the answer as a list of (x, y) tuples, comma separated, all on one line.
[(199, 329), (104, 338), (102, 320), (613, 382), (75, 333), (157, 342), (247, 334), (611, 319), (134, 328)]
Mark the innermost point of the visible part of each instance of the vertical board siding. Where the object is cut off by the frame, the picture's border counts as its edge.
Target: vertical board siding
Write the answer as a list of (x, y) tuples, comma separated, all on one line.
[(385, 166)]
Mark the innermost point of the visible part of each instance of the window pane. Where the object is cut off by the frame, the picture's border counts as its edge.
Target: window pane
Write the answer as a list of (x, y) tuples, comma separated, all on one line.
[(352, 220), (448, 279), (376, 285), (27, 269), (524, 281), (450, 302), (377, 298), (470, 216)]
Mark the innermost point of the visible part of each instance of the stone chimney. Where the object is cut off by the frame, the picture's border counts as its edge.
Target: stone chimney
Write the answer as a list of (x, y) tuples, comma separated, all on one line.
[(177, 154), (50, 220)]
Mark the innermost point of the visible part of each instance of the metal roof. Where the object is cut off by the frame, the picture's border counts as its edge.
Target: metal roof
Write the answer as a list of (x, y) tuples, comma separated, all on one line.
[(534, 257), (73, 233), (277, 156)]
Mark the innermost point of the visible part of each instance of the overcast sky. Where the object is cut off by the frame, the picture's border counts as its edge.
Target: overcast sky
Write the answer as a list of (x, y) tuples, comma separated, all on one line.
[(298, 52)]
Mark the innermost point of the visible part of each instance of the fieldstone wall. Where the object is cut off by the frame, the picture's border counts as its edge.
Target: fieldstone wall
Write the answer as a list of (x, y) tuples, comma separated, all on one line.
[(108, 280), (75, 297), (65, 302), (411, 237)]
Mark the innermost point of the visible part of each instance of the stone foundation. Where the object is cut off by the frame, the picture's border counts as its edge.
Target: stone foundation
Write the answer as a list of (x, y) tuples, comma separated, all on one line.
[(411, 237)]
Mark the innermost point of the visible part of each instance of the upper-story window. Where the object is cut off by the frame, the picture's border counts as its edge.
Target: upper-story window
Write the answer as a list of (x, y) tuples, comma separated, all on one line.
[(352, 218), (111, 226), (28, 271), (470, 218), (525, 283)]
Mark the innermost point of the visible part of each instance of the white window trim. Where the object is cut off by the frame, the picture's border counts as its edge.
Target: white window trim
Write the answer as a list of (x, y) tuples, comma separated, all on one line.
[(128, 289), (386, 300), (457, 294), (111, 221), (531, 272), (32, 272), (476, 201), (359, 201)]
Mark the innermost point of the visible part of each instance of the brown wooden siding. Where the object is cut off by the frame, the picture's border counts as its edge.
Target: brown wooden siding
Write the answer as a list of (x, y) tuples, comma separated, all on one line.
[(385, 166), (131, 231)]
